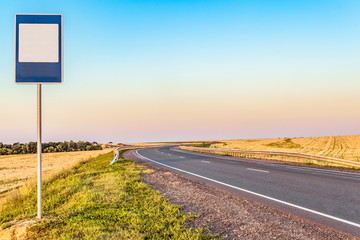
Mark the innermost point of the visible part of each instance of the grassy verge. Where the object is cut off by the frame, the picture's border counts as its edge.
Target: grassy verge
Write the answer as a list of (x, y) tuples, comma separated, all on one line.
[(98, 201)]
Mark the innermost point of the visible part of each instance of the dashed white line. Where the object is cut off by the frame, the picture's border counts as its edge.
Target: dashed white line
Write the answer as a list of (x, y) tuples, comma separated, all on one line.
[(257, 170), (254, 193), (205, 161)]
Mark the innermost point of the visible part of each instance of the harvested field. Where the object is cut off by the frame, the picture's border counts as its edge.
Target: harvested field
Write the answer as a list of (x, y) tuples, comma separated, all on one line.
[(344, 147), (15, 170)]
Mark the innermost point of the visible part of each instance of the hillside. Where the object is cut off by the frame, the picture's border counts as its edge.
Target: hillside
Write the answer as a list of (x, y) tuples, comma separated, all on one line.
[(344, 147)]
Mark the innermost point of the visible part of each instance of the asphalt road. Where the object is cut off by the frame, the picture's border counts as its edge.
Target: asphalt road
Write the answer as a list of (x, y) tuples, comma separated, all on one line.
[(329, 197)]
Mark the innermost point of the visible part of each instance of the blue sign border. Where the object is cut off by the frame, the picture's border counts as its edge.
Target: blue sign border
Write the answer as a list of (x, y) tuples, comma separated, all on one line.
[(38, 73)]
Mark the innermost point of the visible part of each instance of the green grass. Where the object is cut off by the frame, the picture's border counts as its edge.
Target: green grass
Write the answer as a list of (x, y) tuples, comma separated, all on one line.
[(98, 201)]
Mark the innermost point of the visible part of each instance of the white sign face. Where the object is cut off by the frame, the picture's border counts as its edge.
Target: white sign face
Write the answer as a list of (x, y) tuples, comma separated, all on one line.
[(39, 43)]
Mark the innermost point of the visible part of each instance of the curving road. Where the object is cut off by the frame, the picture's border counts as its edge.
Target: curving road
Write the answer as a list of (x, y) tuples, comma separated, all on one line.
[(329, 197)]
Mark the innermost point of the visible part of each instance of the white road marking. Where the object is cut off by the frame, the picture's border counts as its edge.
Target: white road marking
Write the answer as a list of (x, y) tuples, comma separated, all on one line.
[(254, 193), (257, 170), (181, 157), (205, 161)]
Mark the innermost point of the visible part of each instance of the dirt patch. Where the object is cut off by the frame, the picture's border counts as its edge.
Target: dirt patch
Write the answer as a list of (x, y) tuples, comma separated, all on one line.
[(17, 231), (228, 215)]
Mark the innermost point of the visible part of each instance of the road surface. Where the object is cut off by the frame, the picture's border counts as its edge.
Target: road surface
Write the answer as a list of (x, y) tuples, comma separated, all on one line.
[(329, 197)]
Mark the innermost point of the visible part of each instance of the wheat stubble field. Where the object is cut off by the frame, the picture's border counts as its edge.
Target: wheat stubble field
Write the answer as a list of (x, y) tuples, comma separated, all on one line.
[(15, 170), (344, 147)]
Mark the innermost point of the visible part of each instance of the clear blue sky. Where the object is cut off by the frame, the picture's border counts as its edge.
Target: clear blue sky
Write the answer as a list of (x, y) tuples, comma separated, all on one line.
[(181, 70)]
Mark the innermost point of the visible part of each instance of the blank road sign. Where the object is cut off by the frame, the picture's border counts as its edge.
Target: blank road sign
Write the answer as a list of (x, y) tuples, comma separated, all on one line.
[(38, 48), (38, 43)]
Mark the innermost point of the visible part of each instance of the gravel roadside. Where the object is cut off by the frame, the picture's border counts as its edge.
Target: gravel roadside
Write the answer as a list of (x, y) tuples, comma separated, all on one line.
[(229, 215)]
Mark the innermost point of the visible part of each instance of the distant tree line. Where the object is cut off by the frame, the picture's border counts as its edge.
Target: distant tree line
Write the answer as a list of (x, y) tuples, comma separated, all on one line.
[(31, 147)]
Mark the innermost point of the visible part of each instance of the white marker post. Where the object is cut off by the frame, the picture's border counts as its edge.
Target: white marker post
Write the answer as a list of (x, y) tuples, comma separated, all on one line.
[(38, 60)]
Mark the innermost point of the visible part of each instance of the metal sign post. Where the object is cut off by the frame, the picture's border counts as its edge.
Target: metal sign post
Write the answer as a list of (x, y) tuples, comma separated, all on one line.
[(39, 150), (38, 60)]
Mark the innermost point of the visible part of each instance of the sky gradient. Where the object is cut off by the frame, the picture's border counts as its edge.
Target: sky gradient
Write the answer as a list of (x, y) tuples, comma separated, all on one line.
[(190, 70)]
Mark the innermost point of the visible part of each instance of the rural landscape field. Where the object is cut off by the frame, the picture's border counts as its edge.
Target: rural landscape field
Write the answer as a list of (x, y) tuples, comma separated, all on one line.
[(344, 147), (15, 170)]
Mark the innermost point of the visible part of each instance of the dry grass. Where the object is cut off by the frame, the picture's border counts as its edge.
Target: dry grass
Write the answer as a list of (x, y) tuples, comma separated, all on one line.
[(344, 147), (15, 170)]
